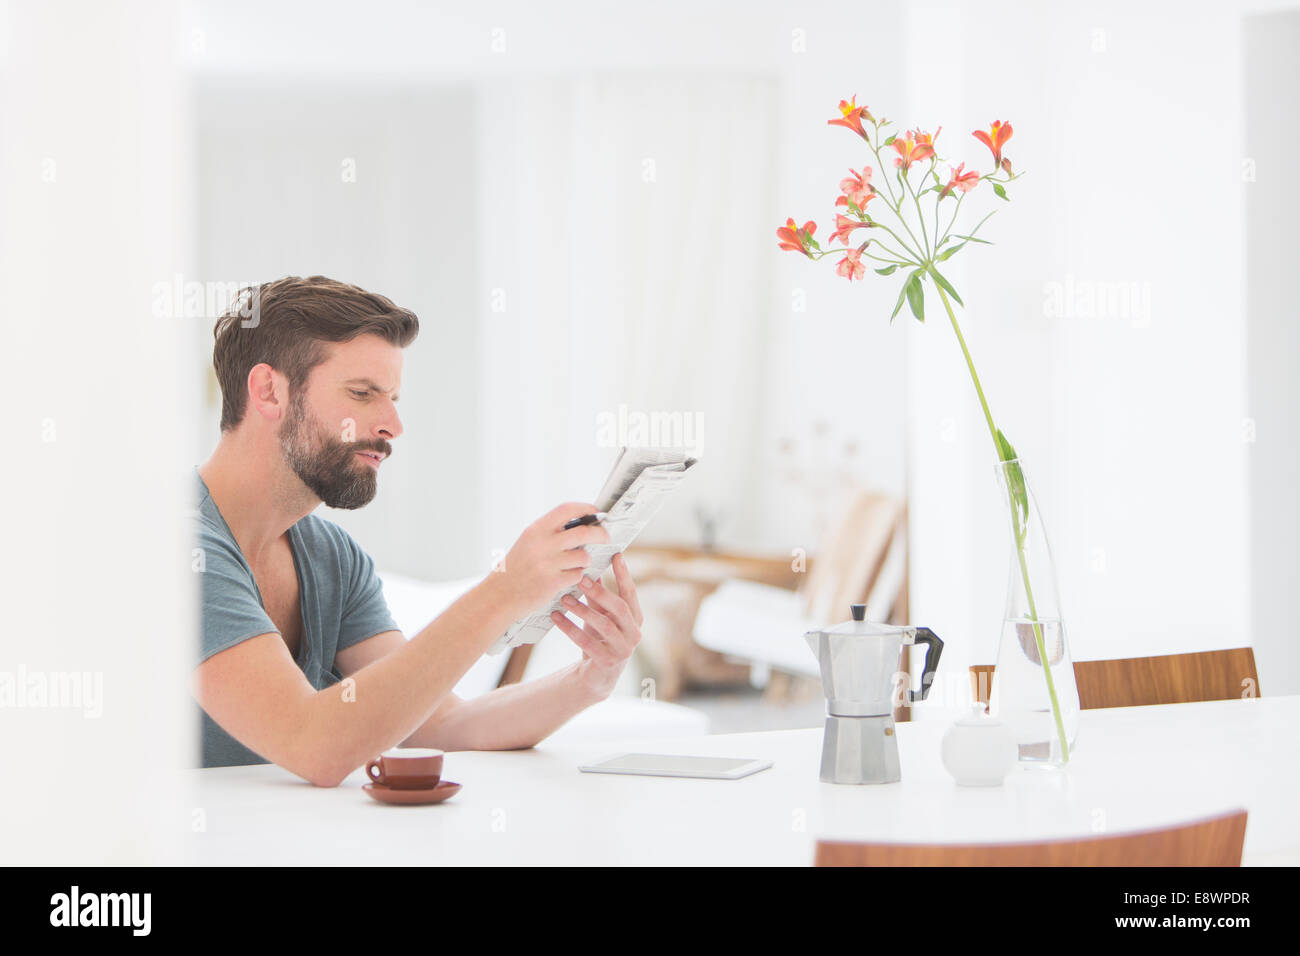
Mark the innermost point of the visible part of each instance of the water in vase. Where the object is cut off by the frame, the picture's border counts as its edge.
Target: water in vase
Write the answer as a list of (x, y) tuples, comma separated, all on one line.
[(1020, 696)]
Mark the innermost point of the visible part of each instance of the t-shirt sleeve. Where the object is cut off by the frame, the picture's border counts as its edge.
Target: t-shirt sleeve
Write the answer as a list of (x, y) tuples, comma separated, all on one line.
[(365, 612), (229, 606)]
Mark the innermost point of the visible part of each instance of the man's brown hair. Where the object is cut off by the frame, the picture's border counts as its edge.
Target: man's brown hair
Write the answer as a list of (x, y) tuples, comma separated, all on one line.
[(283, 324)]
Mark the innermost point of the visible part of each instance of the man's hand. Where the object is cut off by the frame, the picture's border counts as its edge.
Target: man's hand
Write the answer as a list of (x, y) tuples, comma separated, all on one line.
[(610, 632), (547, 559)]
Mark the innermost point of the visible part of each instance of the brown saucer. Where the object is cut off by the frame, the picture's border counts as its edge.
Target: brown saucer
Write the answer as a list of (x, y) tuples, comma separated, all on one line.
[(441, 792)]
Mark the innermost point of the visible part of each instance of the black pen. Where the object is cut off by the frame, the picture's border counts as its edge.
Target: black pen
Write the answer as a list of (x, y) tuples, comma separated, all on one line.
[(598, 517)]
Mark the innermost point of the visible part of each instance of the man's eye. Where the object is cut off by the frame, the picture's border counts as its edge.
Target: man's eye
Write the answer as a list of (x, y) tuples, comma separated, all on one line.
[(356, 394)]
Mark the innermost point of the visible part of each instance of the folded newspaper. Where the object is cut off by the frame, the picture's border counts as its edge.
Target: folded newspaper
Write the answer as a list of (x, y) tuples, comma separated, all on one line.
[(633, 493)]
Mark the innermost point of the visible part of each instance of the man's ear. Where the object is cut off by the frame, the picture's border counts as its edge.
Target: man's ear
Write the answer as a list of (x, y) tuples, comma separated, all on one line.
[(268, 392)]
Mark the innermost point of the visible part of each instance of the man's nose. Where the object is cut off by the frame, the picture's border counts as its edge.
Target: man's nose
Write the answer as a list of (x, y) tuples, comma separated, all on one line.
[(390, 427)]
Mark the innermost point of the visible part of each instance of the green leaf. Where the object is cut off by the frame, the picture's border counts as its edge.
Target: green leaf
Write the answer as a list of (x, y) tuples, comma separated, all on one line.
[(915, 295), (902, 294), (947, 253), (1015, 485), (980, 225), (1000, 192), (853, 208), (889, 142), (973, 239), (946, 286), (887, 271)]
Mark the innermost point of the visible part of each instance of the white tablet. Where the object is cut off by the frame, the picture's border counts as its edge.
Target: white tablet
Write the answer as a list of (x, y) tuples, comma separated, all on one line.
[(670, 765)]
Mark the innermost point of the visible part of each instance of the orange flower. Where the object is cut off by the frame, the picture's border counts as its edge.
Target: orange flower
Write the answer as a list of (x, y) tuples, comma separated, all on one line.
[(995, 139), (796, 239), (913, 146), (851, 266), (851, 116), (964, 182)]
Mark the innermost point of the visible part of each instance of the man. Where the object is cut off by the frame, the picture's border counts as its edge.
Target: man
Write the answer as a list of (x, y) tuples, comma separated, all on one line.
[(310, 371)]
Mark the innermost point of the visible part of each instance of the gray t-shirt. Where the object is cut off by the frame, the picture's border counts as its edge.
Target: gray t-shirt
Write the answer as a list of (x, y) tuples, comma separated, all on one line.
[(341, 599)]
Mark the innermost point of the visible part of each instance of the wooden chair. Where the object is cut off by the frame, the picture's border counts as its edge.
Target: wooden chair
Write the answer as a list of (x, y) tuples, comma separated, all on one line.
[(1214, 841), (1165, 679), (852, 555)]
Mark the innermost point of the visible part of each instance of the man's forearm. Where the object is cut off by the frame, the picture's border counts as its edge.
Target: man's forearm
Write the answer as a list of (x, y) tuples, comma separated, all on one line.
[(390, 698), (511, 717)]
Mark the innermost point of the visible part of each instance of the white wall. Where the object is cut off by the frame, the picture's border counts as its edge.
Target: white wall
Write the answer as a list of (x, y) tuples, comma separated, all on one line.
[(620, 244), (1271, 145), (835, 367), (95, 575)]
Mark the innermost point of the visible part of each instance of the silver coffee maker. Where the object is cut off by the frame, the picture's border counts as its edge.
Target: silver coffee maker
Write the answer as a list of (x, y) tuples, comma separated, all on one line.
[(861, 680)]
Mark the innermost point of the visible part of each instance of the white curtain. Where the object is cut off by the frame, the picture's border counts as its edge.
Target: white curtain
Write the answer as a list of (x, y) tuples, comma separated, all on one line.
[(626, 226)]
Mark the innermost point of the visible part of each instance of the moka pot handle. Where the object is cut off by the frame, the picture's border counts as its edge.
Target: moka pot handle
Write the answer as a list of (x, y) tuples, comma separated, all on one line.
[(934, 648)]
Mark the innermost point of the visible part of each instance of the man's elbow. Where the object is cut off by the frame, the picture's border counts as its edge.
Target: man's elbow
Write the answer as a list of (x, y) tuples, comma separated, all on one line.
[(326, 778), (330, 770), (320, 771)]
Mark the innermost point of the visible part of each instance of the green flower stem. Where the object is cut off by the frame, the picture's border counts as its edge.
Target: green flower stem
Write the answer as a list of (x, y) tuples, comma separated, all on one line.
[(821, 253), (1019, 533), (895, 203), (948, 229), (895, 261), (910, 251), (919, 216), (898, 257)]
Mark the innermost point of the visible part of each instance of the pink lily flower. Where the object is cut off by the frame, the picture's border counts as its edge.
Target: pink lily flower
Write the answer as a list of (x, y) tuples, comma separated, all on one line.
[(857, 187), (851, 266), (964, 182)]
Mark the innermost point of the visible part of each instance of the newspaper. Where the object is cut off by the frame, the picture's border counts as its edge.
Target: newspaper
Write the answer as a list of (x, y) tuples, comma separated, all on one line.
[(638, 485)]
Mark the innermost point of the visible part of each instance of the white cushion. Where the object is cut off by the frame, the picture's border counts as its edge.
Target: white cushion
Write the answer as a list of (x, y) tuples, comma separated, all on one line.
[(414, 603), (757, 622)]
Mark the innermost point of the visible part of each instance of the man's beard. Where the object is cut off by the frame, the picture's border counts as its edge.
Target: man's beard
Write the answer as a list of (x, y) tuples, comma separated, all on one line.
[(327, 466)]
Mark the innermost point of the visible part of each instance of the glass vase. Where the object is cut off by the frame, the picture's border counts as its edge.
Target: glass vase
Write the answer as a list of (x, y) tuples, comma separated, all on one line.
[(1039, 702)]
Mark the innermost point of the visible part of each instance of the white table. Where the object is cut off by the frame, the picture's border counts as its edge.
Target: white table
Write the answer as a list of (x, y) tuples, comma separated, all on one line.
[(1134, 767)]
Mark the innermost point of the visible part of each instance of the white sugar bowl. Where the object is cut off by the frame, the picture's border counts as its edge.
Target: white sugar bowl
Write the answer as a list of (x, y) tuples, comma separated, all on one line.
[(979, 751)]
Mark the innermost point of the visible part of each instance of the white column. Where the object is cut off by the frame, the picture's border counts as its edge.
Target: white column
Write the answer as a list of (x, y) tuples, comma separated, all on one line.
[(95, 573)]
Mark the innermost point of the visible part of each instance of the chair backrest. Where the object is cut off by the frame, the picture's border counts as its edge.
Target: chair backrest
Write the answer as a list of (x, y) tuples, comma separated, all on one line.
[(1213, 841), (850, 558), (516, 665), (1164, 679)]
